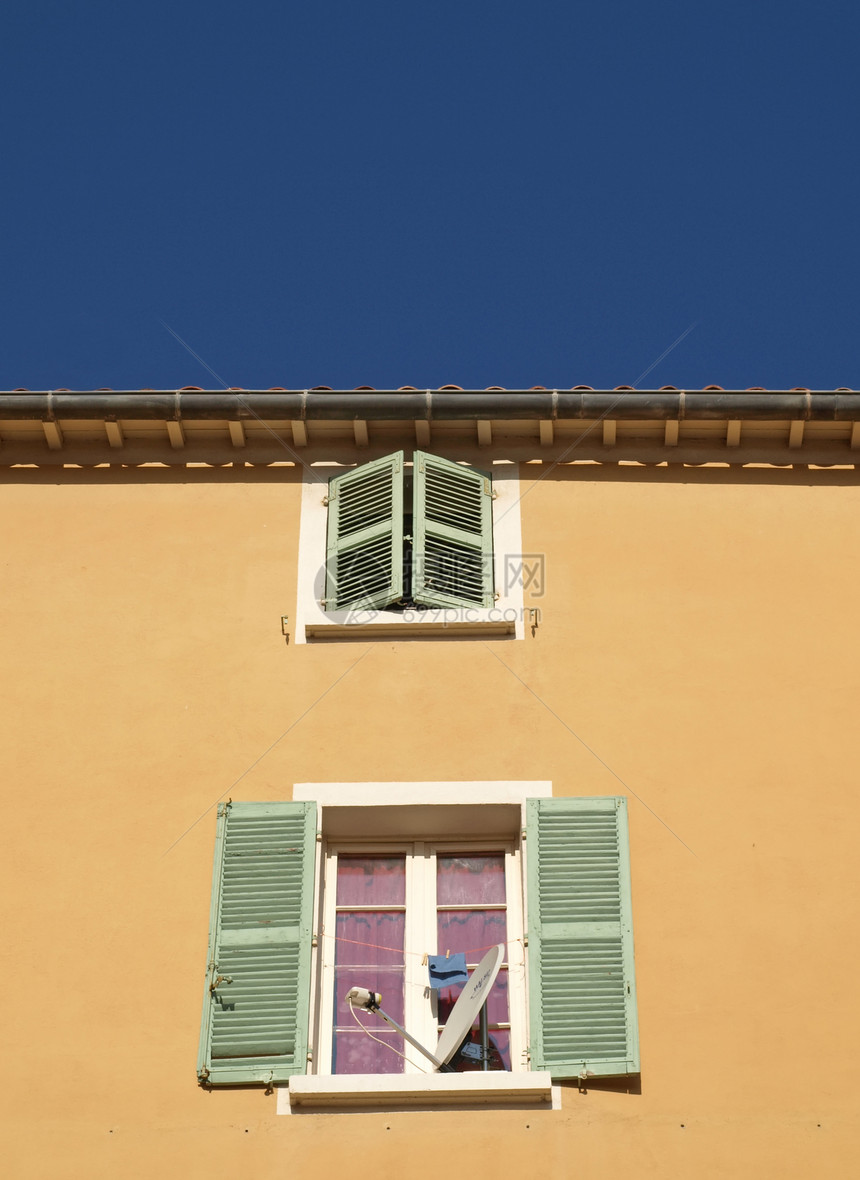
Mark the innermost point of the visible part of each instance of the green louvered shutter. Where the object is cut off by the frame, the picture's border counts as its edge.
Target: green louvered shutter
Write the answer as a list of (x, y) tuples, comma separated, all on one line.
[(364, 550), (452, 552), (582, 992), (255, 1008)]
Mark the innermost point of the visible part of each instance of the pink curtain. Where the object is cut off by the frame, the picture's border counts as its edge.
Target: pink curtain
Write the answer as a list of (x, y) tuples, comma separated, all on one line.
[(369, 954)]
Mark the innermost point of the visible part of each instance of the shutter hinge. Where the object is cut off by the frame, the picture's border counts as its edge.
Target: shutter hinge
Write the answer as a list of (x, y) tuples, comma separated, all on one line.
[(220, 979), (309, 1056), (314, 940), (525, 940), (326, 500)]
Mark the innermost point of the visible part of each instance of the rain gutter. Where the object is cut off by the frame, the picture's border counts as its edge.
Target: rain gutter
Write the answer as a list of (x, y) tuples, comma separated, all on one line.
[(432, 405)]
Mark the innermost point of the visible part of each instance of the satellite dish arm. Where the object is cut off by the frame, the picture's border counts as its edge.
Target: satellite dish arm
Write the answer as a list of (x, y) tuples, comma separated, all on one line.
[(370, 1001), (436, 1062)]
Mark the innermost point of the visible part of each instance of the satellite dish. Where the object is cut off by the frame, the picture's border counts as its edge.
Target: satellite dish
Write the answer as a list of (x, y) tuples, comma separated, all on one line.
[(469, 1004)]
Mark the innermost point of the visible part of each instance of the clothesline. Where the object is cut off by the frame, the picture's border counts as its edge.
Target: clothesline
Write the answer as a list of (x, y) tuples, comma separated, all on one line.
[(472, 954)]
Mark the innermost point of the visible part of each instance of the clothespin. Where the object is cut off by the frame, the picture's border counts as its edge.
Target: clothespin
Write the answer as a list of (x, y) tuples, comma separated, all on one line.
[(424, 960), (447, 954)]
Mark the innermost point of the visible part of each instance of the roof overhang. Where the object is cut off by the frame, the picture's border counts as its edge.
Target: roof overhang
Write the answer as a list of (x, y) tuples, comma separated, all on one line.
[(816, 427)]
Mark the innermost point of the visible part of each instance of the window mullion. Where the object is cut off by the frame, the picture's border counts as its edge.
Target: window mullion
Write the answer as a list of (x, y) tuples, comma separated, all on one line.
[(415, 889), (490, 905), (429, 1025), (370, 909)]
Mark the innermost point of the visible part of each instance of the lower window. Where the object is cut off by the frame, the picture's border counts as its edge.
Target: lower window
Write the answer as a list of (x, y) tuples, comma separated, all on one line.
[(274, 1006), (385, 911)]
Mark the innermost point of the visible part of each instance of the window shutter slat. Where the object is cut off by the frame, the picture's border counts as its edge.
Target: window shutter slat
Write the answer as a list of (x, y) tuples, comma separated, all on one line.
[(255, 1008), (364, 549), (582, 992), (452, 554)]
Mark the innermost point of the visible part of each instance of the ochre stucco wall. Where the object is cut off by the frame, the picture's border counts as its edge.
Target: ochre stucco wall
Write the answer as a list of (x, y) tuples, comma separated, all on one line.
[(698, 632)]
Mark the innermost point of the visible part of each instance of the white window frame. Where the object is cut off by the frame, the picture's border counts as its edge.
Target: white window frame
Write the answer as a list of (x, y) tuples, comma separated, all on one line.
[(420, 937), (313, 622)]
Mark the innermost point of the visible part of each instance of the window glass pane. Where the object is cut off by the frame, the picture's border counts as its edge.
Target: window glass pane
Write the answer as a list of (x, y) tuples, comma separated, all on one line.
[(355, 1052), (388, 981), (371, 880), (470, 931), (470, 879), (369, 954), (370, 937)]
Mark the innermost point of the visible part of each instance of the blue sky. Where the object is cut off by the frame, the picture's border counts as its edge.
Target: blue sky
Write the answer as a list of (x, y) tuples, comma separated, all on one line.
[(389, 193)]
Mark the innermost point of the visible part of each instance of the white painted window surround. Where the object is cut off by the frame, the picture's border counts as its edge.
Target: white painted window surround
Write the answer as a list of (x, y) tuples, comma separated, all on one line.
[(504, 619), (482, 793), (392, 810)]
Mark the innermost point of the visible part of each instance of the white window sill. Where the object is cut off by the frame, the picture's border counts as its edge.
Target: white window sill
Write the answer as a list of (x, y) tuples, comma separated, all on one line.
[(432, 1091), (454, 623)]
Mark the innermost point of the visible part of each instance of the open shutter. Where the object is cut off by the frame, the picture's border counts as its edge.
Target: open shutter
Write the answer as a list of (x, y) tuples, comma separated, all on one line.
[(364, 551), (255, 1008), (452, 552), (582, 992)]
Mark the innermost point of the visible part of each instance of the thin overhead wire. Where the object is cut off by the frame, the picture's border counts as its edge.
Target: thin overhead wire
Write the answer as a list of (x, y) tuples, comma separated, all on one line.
[(268, 750), (586, 746)]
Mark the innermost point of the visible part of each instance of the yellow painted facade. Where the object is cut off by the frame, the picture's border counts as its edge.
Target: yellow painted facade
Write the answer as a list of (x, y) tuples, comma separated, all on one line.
[(697, 652)]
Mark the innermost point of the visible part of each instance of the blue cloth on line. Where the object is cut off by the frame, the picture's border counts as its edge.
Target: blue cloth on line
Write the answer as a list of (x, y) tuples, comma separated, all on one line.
[(446, 972)]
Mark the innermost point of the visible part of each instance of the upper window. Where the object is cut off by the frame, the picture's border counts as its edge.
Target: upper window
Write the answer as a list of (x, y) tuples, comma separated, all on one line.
[(383, 908), (392, 545), (411, 544)]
